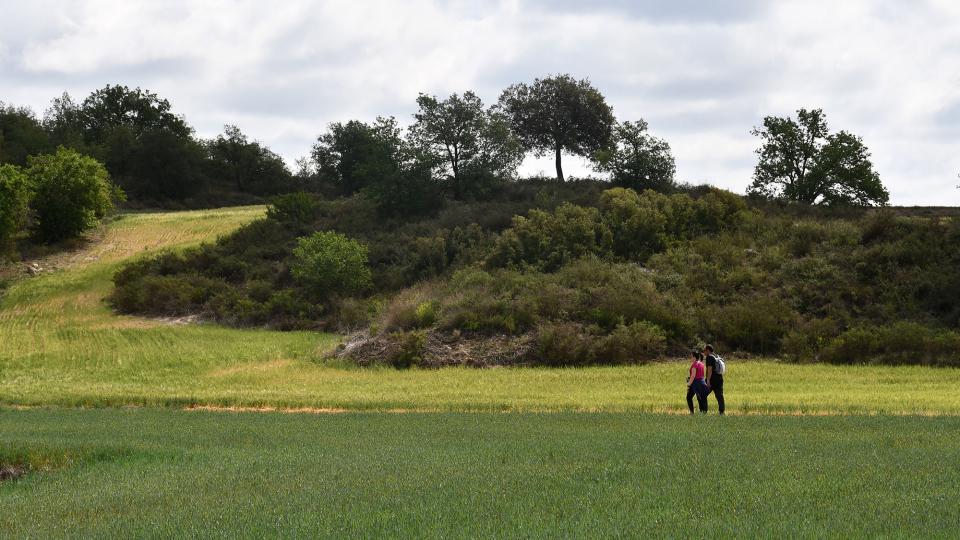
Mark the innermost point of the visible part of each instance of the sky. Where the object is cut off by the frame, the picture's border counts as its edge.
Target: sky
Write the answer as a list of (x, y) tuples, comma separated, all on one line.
[(701, 72)]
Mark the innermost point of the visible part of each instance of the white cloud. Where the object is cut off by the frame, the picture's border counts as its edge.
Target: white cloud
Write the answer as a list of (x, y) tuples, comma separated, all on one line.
[(702, 73)]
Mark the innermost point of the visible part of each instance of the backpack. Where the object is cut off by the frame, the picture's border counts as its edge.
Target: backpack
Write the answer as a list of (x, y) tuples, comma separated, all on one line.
[(720, 368)]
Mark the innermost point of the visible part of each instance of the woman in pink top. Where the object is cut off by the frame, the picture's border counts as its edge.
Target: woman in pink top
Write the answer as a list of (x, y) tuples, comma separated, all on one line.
[(696, 383)]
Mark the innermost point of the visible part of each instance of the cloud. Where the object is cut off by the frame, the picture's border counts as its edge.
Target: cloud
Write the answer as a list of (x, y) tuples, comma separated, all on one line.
[(702, 73)]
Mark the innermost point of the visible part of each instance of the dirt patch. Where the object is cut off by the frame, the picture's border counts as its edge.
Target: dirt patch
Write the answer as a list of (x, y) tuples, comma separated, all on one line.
[(440, 349), (233, 408), (11, 472)]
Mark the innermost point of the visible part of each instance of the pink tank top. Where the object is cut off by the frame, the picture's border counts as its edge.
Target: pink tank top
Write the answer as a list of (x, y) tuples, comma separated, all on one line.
[(700, 369)]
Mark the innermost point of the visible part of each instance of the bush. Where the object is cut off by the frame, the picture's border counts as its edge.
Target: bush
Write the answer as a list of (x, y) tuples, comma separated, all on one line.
[(805, 341), (14, 200), (900, 343), (548, 240), (755, 324), (330, 263), (564, 344), (72, 193), (296, 211), (630, 344), (405, 349)]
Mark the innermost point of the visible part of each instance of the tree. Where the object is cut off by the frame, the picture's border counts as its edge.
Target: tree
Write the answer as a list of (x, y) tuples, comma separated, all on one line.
[(559, 114), (21, 135), (801, 161), (138, 110), (250, 166), (330, 263), (14, 200), (373, 159), (638, 160), (147, 149), (72, 192), (470, 147), (345, 153)]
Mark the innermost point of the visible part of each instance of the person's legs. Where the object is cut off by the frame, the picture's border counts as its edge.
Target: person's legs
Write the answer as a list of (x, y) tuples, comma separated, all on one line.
[(690, 393), (717, 387), (701, 390)]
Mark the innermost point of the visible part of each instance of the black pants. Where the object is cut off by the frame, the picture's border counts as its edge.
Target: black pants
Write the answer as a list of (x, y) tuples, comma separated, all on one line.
[(698, 388), (716, 386)]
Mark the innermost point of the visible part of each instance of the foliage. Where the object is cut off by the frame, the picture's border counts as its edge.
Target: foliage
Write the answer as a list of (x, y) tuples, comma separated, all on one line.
[(72, 193), (472, 148), (330, 263), (21, 135), (801, 161), (15, 192), (637, 160), (559, 114), (249, 165)]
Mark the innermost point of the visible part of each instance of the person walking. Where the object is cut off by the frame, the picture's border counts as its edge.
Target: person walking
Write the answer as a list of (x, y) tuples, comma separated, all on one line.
[(696, 384), (715, 369)]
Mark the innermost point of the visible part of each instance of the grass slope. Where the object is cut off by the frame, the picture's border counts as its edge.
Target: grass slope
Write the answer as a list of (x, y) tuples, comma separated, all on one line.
[(194, 474), (58, 335), (61, 345)]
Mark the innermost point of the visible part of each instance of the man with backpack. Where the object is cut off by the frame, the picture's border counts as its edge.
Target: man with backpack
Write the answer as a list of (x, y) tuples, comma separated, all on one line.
[(716, 367)]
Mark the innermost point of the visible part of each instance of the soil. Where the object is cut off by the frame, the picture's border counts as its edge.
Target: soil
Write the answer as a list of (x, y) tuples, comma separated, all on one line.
[(11, 472), (441, 349)]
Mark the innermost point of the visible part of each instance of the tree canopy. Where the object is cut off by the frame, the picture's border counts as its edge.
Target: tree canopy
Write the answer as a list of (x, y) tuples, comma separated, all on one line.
[(470, 147), (801, 161), (559, 114), (638, 160)]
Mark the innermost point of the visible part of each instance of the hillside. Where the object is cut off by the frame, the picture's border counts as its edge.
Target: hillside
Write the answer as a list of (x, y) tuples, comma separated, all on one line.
[(64, 346), (580, 274)]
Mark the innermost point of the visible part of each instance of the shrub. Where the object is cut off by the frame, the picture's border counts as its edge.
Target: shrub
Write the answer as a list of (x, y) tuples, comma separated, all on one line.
[(637, 225), (804, 341), (900, 343), (548, 240), (405, 349), (72, 193), (14, 200), (296, 211), (630, 344), (564, 344), (330, 263), (755, 324)]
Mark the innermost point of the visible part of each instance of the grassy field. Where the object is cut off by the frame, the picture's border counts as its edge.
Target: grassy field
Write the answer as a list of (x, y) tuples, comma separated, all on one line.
[(162, 473), (882, 464), (60, 345)]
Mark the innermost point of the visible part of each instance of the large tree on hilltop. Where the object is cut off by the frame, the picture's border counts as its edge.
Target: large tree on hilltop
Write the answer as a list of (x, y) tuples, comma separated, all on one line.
[(558, 114), (801, 161)]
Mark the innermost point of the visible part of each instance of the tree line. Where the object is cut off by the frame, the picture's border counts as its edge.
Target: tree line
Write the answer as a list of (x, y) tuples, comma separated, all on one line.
[(457, 148)]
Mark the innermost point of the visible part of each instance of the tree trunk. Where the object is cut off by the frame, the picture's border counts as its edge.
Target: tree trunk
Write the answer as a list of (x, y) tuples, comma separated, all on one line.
[(559, 166)]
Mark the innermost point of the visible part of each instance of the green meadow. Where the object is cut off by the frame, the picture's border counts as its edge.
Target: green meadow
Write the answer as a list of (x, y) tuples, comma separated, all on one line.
[(163, 473)]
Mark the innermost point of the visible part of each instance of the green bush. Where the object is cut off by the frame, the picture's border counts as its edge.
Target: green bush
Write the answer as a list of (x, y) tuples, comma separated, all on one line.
[(405, 349), (634, 343), (548, 240), (14, 200), (754, 324), (72, 193), (899, 343), (564, 344), (330, 263), (297, 211)]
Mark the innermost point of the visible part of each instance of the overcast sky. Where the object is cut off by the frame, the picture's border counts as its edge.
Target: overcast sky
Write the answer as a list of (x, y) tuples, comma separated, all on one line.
[(702, 73)]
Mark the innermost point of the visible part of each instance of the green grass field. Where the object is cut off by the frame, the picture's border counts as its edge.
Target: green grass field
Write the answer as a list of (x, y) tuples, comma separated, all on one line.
[(199, 474), (808, 451)]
